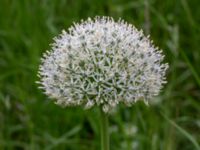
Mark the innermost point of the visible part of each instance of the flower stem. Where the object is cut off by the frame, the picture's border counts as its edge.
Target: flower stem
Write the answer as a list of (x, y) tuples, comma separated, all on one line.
[(104, 131)]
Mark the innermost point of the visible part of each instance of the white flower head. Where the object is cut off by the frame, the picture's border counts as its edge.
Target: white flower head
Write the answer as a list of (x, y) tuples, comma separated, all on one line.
[(100, 62)]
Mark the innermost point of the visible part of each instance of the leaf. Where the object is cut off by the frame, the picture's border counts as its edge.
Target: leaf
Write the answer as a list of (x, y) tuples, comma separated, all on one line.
[(183, 132)]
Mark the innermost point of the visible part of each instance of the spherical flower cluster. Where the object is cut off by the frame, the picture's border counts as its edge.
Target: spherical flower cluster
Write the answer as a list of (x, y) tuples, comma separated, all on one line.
[(100, 62)]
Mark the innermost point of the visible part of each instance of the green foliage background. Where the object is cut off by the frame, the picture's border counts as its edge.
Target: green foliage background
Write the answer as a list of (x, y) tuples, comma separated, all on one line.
[(30, 121)]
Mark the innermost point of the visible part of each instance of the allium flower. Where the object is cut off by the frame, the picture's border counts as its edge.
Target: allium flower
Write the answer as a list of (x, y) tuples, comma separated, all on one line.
[(100, 62)]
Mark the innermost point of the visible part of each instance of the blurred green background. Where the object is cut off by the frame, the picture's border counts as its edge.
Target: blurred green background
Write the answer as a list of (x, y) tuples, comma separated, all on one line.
[(30, 121)]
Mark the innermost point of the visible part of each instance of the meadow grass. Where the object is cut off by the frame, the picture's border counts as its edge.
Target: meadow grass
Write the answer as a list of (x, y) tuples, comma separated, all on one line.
[(29, 120)]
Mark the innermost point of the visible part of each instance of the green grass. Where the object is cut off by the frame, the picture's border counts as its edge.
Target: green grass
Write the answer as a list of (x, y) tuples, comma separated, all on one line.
[(30, 121)]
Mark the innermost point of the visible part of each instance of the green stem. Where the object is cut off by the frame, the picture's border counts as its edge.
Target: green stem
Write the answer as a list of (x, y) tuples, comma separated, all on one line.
[(104, 131)]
